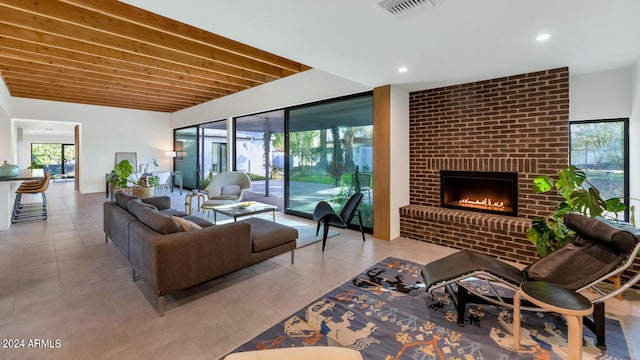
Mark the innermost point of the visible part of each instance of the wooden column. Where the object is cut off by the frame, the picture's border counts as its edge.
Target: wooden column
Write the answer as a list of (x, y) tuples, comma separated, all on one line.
[(381, 162)]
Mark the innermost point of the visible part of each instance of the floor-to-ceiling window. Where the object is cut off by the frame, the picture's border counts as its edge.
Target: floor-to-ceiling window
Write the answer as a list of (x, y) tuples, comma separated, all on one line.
[(601, 149), (259, 152), (57, 158), (201, 152), (214, 148), (328, 144), (186, 160)]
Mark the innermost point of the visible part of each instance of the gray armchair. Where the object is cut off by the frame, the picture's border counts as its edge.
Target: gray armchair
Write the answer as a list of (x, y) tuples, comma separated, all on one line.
[(227, 188)]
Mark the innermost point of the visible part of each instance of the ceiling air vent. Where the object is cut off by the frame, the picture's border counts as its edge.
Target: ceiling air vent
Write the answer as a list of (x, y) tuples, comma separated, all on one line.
[(397, 7)]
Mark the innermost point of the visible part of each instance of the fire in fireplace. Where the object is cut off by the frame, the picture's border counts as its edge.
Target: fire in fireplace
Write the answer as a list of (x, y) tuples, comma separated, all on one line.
[(489, 192)]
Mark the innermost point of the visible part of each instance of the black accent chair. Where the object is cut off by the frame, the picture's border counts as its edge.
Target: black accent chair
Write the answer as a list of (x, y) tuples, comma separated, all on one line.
[(598, 251), (324, 214)]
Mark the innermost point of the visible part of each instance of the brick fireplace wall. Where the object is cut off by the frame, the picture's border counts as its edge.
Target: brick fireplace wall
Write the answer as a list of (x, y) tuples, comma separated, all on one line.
[(517, 124)]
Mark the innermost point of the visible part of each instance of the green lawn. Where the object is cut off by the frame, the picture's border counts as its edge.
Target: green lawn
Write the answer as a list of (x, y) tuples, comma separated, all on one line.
[(321, 179)]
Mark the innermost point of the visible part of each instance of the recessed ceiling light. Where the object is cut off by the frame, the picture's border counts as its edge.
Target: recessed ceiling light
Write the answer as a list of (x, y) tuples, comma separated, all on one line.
[(402, 69), (543, 37)]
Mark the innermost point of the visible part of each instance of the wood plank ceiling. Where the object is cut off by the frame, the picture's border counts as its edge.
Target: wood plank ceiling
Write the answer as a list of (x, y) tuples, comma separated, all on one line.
[(105, 52)]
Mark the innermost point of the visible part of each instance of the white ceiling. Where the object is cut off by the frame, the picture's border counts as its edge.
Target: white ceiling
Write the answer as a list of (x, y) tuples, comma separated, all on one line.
[(44, 128), (456, 42)]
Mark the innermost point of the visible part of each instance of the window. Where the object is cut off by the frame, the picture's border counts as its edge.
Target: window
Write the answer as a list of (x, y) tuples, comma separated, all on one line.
[(57, 158), (601, 149), (328, 143), (202, 152)]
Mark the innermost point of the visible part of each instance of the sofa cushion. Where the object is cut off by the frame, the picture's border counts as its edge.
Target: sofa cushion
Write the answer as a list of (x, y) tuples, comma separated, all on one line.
[(266, 234), (134, 206), (230, 190), (198, 220), (186, 225), (158, 221), (174, 212), (160, 202), (122, 199)]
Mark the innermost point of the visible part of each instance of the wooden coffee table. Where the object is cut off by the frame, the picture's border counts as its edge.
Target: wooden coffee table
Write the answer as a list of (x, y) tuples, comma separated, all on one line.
[(239, 209)]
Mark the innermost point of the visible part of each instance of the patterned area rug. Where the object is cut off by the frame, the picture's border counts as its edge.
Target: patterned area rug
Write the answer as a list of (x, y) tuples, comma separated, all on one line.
[(385, 313)]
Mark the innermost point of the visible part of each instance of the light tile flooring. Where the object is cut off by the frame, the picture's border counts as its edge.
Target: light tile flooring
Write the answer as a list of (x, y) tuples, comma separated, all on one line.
[(60, 281)]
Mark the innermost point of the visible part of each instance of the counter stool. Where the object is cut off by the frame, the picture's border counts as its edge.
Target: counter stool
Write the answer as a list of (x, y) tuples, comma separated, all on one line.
[(557, 299), (31, 211)]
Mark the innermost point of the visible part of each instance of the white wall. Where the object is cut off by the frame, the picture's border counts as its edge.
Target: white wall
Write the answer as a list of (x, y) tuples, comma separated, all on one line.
[(103, 132), (634, 135), (5, 126), (600, 95), (399, 167), (301, 88)]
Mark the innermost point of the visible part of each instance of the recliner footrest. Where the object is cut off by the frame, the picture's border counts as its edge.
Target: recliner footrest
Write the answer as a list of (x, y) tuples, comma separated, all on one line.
[(459, 265)]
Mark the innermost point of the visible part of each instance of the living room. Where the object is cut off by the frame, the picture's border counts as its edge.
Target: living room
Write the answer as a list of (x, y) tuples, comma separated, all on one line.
[(612, 92)]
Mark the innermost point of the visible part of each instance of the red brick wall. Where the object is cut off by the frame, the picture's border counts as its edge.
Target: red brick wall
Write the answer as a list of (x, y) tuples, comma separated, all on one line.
[(517, 124)]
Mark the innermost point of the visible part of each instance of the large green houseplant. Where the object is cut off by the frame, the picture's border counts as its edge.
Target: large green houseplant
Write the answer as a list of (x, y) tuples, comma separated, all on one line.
[(124, 177), (550, 233)]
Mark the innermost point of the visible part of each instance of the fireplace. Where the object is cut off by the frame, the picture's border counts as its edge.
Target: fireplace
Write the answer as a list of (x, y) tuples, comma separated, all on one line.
[(488, 192)]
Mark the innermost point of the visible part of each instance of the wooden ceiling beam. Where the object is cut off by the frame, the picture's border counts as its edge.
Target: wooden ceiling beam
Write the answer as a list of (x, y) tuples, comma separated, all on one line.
[(89, 84), (29, 64), (89, 100), (110, 65), (47, 25), (80, 90), (104, 96), (97, 21), (160, 23), (106, 52)]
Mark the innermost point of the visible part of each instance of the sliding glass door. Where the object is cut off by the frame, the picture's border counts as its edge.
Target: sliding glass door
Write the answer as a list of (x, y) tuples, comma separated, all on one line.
[(186, 161), (330, 155), (201, 152), (259, 151), (213, 148)]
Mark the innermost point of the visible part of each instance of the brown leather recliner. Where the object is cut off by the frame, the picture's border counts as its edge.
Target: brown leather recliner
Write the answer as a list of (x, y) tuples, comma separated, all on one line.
[(598, 251)]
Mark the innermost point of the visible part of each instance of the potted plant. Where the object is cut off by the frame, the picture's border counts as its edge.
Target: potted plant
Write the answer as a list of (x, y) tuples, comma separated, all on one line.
[(205, 181), (550, 233), (124, 177)]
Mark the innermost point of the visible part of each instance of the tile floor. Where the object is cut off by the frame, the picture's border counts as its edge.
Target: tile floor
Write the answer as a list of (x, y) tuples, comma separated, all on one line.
[(60, 281)]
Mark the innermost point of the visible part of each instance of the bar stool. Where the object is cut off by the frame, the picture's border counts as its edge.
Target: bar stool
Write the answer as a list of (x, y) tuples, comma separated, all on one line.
[(31, 211), (557, 299)]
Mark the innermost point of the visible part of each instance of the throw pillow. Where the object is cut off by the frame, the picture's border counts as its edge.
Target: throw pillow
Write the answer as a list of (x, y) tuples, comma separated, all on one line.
[(230, 190), (185, 224)]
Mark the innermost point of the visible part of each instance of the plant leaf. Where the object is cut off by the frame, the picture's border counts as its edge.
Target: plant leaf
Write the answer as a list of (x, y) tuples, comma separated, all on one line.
[(615, 205), (542, 184), (588, 202)]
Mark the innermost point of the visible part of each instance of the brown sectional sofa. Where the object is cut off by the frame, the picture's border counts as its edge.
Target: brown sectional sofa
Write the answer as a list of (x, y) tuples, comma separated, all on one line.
[(168, 259)]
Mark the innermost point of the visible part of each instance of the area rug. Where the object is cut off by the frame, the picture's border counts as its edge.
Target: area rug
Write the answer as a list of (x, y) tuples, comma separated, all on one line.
[(385, 313)]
